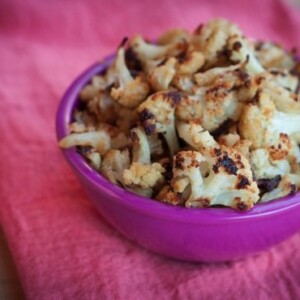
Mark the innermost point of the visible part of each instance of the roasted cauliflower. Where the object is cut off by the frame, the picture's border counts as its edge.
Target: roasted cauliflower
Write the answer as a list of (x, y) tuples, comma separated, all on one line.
[(195, 119)]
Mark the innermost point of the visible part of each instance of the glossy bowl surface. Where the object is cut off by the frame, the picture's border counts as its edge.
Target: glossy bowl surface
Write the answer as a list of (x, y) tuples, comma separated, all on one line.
[(209, 234)]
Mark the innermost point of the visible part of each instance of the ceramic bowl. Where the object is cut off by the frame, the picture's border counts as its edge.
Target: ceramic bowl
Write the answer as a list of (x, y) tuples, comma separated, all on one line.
[(201, 234)]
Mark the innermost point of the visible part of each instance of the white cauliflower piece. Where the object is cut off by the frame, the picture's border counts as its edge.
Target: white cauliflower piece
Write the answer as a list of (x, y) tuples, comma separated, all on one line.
[(146, 51), (234, 140), (241, 52), (287, 186), (223, 179), (143, 178), (161, 76), (103, 107), (100, 140), (273, 56), (264, 166), (184, 83), (113, 165), (272, 130), (285, 79), (190, 62), (157, 115), (196, 136), (212, 106), (167, 195), (284, 100), (211, 39), (130, 91), (144, 146)]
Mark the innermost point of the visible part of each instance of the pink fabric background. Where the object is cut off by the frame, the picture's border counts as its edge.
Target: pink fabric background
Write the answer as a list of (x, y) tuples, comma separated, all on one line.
[(62, 248)]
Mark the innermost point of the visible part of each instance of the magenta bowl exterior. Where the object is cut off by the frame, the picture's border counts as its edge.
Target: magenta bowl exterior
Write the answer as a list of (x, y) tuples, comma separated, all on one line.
[(208, 234)]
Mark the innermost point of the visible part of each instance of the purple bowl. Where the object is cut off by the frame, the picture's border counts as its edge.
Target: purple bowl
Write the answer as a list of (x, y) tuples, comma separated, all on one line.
[(202, 234)]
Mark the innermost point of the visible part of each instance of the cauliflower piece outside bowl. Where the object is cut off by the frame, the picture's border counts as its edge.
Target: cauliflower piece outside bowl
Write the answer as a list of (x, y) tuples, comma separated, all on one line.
[(200, 234)]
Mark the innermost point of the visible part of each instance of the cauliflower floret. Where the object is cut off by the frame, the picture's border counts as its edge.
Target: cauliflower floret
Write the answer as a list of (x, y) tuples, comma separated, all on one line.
[(273, 56), (284, 100), (219, 98), (161, 76), (209, 76), (223, 179), (143, 176), (130, 91), (212, 106), (103, 107), (146, 51), (100, 140), (285, 79), (184, 82), (143, 146), (139, 177), (166, 194), (190, 63), (196, 136), (211, 39), (234, 140), (113, 165), (140, 146), (240, 51), (118, 139), (157, 115), (273, 130), (264, 166), (94, 159), (288, 186)]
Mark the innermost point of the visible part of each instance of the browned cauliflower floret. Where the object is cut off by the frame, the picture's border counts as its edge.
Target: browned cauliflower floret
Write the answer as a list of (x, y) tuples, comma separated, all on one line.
[(147, 51), (167, 195), (161, 76), (264, 167), (157, 115), (211, 39), (113, 165), (283, 99), (285, 79), (103, 107), (142, 178), (273, 56), (219, 97), (212, 106), (222, 179), (196, 136), (272, 130), (190, 63), (100, 140), (234, 140), (288, 185), (130, 91), (241, 52), (184, 83), (144, 146)]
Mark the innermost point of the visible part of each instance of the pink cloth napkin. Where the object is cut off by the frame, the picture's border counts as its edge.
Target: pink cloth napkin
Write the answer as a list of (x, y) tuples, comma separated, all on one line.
[(62, 247)]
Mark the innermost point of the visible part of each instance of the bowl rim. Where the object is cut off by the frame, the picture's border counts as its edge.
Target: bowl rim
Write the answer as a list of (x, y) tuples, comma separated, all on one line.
[(138, 203)]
